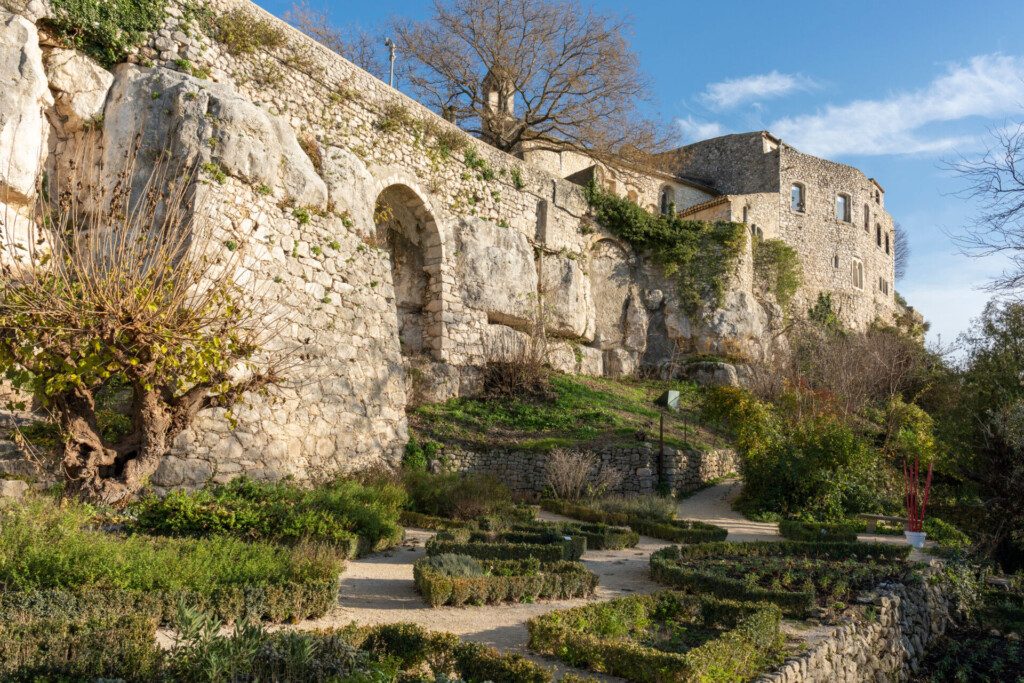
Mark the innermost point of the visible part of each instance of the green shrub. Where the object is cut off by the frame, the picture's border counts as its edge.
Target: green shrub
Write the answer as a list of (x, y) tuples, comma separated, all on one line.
[(675, 530), (950, 539), (44, 547), (777, 269), (456, 566), (657, 508), (56, 634), (502, 581), (599, 536), (662, 637), (545, 547), (973, 655), (106, 30), (817, 532), (795, 576), (419, 520), (350, 516), (457, 496), (242, 32)]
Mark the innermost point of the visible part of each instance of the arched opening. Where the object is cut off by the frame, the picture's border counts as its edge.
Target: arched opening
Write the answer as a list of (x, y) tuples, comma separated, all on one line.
[(405, 225), (666, 201)]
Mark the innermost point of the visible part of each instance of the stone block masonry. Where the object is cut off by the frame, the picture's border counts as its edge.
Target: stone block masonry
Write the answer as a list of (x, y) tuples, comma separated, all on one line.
[(525, 473)]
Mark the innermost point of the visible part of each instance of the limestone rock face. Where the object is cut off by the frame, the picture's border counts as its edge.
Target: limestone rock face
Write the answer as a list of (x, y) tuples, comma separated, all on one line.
[(568, 303), (80, 88), (350, 188), (499, 276), (24, 97), (740, 327), (502, 343), (711, 374), (635, 331), (209, 123)]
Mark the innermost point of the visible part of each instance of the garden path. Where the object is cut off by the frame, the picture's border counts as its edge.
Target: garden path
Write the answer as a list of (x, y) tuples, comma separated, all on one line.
[(379, 589), (714, 506)]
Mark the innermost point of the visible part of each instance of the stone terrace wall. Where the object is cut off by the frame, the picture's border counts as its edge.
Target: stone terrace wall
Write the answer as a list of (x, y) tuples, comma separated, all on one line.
[(524, 472), (886, 646)]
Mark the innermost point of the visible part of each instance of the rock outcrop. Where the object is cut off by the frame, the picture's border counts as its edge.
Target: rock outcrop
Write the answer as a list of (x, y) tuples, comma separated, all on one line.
[(24, 99)]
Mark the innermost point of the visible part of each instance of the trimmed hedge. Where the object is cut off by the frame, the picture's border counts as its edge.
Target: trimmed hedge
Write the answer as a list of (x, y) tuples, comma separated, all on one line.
[(676, 530), (418, 520), (692, 569), (818, 532), (46, 547), (823, 551), (611, 638), (354, 518), (505, 581), (55, 634), (509, 545), (599, 536)]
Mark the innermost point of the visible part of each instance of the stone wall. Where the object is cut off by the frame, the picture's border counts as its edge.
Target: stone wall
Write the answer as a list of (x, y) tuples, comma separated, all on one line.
[(886, 641), (636, 467)]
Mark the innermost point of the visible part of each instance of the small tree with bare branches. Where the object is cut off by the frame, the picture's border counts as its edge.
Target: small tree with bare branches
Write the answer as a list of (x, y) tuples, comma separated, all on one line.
[(531, 73), (134, 293), (354, 44)]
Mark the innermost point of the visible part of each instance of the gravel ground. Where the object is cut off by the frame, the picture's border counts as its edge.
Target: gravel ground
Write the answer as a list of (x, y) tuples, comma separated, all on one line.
[(714, 506)]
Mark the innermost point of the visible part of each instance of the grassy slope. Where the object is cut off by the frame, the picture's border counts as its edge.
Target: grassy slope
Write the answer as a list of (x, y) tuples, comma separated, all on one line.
[(587, 411)]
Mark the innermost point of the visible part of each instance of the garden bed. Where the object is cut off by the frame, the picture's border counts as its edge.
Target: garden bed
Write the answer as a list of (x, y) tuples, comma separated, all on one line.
[(508, 545), (819, 532), (798, 577), (674, 530), (663, 637), (459, 580), (973, 655), (599, 536)]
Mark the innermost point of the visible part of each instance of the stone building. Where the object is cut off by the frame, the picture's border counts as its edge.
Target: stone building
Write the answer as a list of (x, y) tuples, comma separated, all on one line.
[(403, 254)]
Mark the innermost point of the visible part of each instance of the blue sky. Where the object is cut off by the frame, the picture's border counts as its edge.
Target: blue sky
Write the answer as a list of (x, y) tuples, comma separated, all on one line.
[(893, 88)]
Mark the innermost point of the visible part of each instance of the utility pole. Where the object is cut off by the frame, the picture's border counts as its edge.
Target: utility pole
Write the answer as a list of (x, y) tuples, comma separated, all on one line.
[(390, 44)]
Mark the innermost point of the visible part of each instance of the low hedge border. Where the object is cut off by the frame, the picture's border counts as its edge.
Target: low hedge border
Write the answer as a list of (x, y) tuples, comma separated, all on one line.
[(817, 532), (740, 653), (418, 520), (676, 531), (824, 551), (553, 581), (599, 536), (507, 545)]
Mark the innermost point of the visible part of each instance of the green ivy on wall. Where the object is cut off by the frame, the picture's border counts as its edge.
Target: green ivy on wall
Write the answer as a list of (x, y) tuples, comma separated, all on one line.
[(106, 30), (701, 255), (777, 269)]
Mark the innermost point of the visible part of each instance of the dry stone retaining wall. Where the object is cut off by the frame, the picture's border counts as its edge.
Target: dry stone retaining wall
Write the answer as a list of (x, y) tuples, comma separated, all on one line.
[(524, 471), (886, 644)]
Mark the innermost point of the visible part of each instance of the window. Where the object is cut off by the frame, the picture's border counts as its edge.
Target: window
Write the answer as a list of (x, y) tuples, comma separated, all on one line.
[(756, 232), (886, 243), (667, 201), (883, 285), (746, 214), (857, 273), (835, 261), (796, 197), (878, 197), (867, 218), (878, 234), (843, 207)]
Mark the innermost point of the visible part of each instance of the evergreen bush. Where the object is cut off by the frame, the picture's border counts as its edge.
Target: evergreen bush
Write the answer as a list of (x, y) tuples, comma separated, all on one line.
[(502, 581)]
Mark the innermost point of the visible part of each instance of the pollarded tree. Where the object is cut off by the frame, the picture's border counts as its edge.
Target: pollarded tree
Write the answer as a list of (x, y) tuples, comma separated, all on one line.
[(537, 73), (137, 295)]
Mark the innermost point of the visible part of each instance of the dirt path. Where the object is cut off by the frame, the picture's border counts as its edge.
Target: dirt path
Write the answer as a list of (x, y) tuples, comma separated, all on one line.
[(714, 506), (379, 589)]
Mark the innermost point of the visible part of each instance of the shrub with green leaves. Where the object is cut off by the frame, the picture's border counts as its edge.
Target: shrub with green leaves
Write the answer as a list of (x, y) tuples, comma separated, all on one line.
[(817, 532), (599, 536), (795, 576), (45, 546), (973, 655), (444, 581), (508, 545), (353, 517), (663, 637), (777, 269), (675, 530), (106, 30), (457, 496)]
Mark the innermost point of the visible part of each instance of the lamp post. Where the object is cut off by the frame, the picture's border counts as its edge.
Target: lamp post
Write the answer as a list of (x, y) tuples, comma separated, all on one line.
[(667, 401), (390, 44)]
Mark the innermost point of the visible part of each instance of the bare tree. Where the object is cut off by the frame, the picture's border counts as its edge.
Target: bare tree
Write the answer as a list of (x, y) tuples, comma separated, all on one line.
[(995, 181), (901, 251), (531, 73), (129, 291), (354, 44)]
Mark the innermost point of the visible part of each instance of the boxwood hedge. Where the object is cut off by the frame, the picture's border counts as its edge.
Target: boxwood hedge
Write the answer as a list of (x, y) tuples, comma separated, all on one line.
[(818, 532), (505, 581), (675, 530), (626, 637), (508, 545), (599, 536)]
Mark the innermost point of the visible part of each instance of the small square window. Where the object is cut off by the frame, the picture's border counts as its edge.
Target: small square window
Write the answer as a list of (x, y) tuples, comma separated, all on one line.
[(796, 198)]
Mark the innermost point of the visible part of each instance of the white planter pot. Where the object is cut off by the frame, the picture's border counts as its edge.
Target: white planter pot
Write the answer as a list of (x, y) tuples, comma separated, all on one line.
[(916, 538)]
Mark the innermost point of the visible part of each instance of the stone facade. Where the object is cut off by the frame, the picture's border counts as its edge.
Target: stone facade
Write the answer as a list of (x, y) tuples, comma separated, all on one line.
[(524, 472), (400, 254), (885, 642)]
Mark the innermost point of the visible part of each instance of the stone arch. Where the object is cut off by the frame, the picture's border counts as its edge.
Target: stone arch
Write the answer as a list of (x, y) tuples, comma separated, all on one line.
[(407, 227), (610, 281)]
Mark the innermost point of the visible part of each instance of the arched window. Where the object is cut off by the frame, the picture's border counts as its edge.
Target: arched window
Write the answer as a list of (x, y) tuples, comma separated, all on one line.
[(843, 207), (857, 273), (667, 201), (867, 218), (797, 200)]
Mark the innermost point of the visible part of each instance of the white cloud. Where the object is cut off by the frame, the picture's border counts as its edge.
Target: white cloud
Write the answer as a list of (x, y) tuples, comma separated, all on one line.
[(987, 86), (736, 91), (694, 129)]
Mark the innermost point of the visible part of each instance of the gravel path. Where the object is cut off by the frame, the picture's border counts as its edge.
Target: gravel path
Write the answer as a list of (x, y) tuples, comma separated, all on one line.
[(714, 506)]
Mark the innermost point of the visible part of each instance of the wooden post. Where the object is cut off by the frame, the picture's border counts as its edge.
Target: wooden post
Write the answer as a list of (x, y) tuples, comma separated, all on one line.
[(661, 446)]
